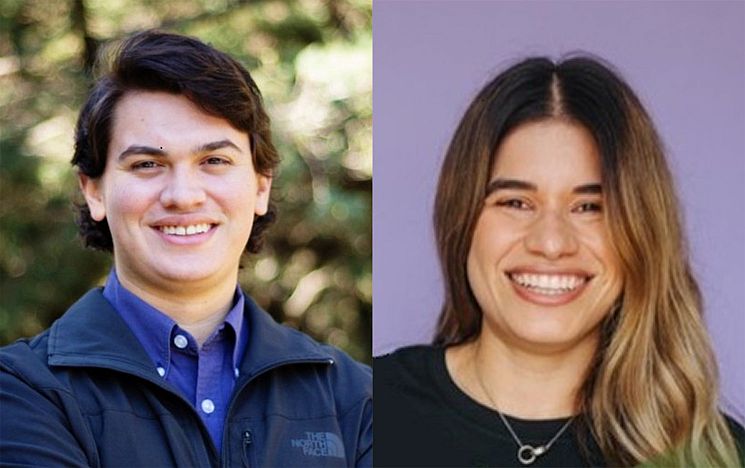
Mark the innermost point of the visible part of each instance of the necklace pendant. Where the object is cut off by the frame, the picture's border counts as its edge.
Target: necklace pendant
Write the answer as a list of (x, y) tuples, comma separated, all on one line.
[(527, 453)]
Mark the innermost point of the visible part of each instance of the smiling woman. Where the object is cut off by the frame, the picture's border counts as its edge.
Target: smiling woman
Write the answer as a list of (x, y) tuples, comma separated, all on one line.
[(560, 342), (541, 245)]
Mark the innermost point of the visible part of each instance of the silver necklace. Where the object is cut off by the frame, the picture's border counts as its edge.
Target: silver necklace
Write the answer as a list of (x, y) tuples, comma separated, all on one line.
[(526, 453)]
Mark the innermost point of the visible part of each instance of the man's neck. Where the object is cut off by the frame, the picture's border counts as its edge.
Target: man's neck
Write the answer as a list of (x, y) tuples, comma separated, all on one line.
[(198, 309), (519, 382)]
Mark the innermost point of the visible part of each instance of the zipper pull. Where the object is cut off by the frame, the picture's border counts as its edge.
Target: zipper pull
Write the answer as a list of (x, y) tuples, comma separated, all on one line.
[(247, 441)]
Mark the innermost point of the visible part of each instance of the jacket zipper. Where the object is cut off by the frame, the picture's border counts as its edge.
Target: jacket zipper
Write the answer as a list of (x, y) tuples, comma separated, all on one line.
[(247, 436), (247, 441)]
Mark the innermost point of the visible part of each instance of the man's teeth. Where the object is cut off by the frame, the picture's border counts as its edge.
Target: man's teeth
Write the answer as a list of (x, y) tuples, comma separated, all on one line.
[(548, 284), (189, 230)]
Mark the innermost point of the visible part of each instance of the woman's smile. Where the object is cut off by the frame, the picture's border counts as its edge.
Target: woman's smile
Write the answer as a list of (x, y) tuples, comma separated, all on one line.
[(551, 289)]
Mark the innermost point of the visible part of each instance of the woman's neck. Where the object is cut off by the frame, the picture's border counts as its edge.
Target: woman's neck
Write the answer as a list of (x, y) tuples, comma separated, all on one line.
[(520, 383)]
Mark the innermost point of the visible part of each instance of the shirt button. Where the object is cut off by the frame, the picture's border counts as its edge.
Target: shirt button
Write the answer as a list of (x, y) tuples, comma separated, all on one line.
[(161, 371), (180, 341), (208, 406), (237, 372)]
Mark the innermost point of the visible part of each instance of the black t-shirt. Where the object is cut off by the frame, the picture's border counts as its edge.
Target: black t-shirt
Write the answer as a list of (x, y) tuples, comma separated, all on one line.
[(423, 419)]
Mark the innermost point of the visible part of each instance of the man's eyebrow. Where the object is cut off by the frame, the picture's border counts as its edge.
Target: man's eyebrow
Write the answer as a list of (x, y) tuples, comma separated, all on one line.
[(141, 149), (216, 145), (516, 184), (151, 151)]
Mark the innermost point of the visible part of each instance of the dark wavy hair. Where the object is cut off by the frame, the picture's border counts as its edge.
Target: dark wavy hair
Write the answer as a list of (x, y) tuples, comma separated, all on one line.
[(159, 61)]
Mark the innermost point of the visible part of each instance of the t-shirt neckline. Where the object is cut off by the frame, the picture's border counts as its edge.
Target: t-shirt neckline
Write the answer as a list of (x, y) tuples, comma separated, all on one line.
[(530, 431)]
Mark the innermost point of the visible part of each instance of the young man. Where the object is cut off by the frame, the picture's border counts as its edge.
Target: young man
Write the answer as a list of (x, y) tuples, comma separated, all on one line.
[(171, 364)]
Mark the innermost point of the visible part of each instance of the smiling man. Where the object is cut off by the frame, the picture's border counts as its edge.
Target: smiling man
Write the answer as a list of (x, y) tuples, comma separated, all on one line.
[(171, 363)]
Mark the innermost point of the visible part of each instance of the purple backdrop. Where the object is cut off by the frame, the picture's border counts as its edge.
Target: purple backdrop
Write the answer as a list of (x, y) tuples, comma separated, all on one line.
[(686, 61)]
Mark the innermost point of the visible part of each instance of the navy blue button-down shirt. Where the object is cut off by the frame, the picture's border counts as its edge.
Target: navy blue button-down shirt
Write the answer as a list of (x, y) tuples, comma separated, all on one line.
[(205, 376)]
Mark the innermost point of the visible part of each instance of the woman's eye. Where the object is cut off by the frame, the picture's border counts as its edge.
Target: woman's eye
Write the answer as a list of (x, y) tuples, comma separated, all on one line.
[(514, 203), (589, 207)]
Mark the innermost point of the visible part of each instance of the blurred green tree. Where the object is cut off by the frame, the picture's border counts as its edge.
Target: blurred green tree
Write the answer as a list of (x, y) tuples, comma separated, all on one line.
[(312, 60)]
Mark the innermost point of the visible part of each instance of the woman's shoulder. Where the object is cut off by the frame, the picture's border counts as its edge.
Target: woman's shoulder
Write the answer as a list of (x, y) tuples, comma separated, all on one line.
[(412, 413), (734, 425), (738, 433), (410, 365), (408, 355)]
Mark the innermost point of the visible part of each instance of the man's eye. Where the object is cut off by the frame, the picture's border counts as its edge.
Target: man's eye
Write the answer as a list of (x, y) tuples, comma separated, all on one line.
[(514, 203), (145, 165), (215, 160)]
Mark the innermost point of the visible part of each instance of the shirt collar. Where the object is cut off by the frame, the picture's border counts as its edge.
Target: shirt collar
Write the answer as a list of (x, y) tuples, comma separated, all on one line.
[(92, 334), (154, 329), (235, 320)]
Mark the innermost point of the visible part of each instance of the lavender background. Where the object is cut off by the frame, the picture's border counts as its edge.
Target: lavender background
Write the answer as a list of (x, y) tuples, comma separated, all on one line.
[(686, 61)]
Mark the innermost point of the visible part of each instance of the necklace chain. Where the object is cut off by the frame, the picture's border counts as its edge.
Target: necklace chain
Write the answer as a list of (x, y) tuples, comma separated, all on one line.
[(527, 454)]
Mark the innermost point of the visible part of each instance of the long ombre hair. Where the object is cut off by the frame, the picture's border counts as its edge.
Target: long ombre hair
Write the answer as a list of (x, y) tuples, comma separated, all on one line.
[(651, 394)]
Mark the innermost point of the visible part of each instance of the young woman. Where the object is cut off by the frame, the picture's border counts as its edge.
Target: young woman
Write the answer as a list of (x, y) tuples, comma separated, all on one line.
[(572, 330)]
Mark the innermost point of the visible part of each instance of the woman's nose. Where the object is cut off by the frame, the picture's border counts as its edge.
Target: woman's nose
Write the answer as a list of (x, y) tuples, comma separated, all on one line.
[(551, 236)]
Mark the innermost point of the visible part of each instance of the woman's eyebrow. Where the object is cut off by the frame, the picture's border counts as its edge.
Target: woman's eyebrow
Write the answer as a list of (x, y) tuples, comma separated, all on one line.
[(517, 184), (593, 188), (512, 184)]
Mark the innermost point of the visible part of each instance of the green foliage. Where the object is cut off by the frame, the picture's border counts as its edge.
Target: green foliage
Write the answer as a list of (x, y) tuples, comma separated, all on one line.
[(313, 61)]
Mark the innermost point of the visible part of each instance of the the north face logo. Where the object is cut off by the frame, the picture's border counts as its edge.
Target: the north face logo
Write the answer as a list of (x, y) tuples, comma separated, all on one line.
[(320, 444)]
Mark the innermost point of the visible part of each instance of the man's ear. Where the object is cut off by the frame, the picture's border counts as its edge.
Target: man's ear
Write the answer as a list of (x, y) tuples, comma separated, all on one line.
[(263, 188), (93, 193)]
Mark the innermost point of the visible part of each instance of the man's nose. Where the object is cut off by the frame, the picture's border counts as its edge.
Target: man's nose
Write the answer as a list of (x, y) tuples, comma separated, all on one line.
[(551, 236), (183, 189)]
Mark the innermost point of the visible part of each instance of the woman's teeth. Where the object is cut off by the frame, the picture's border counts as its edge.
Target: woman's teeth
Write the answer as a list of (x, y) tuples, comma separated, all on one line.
[(548, 284), (189, 230)]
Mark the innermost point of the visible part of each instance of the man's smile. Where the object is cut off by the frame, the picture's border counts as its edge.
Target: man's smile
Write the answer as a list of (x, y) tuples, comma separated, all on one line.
[(188, 230)]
